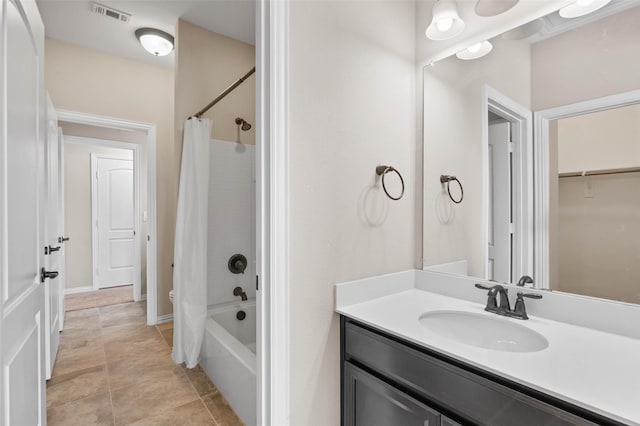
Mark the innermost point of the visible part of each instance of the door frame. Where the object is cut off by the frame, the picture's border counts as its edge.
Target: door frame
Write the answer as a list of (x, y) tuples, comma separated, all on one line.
[(522, 128), (541, 177), (137, 290), (152, 225), (272, 213)]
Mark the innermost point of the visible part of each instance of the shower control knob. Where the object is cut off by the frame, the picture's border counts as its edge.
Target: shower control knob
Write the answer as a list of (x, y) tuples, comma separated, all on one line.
[(237, 264)]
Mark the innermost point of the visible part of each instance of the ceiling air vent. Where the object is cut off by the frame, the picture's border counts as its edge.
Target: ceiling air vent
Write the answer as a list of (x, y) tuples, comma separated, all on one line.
[(111, 13)]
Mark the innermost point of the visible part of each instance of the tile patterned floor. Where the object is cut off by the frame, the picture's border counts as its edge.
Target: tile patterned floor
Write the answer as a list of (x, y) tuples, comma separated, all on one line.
[(113, 369), (94, 299)]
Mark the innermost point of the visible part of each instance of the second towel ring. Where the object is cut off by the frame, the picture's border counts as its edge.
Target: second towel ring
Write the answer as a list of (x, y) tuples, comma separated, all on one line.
[(447, 179), (382, 171)]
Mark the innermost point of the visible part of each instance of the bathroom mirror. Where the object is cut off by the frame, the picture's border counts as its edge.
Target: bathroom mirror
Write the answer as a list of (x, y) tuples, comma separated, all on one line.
[(544, 135)]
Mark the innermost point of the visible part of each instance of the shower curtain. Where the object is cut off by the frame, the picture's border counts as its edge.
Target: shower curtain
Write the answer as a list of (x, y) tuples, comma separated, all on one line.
[(190, 250)]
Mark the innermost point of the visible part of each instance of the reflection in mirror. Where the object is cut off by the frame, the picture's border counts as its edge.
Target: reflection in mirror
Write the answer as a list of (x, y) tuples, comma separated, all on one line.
[(479, 126)]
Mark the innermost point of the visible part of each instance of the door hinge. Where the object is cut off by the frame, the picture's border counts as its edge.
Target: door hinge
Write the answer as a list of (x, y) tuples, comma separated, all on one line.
[(134, 232), (257, 283), (512, 146), (148, 237), (512, 228)]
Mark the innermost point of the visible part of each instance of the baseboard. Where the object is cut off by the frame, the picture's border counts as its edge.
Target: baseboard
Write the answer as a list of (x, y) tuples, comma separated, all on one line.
[(164, 318), (74, 290)]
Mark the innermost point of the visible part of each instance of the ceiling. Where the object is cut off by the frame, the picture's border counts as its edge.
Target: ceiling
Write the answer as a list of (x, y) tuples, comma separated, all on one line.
[(73, 21)]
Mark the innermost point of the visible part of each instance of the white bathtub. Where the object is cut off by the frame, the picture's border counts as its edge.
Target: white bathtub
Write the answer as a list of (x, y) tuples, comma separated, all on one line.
[(228, 356)]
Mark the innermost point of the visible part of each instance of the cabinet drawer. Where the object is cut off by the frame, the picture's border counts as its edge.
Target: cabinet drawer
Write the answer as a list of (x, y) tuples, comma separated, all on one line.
[(371, 402), (469, 396)]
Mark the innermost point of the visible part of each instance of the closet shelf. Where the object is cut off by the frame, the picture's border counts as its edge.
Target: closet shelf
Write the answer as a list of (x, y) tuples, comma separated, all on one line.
[(601, 172)]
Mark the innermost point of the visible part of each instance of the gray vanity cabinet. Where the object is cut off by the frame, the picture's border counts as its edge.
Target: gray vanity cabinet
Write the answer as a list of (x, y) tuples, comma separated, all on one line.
[(390, 382)]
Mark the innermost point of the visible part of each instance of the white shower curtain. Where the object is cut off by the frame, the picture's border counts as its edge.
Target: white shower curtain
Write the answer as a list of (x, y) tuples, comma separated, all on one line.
[(190, 252)]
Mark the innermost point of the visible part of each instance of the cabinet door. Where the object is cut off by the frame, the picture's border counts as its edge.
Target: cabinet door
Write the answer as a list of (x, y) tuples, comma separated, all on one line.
[(446, 421), (371, 402)]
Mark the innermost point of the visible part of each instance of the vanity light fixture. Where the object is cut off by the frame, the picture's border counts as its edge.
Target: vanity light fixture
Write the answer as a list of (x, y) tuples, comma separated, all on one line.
[(446, 22), (582, 7), (475, 51), (154, 41)]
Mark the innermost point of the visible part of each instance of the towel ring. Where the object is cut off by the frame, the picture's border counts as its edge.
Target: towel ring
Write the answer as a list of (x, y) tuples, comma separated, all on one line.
[(382, 171), (447, 179)]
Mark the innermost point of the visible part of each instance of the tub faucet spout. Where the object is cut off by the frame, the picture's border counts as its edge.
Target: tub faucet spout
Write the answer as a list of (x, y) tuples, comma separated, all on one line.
[(238, 291)]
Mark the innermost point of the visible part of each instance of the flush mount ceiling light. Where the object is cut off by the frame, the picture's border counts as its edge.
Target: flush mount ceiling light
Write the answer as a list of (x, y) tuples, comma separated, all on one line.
[(155, 41), (475, 51), (582, 7), (445, 23)]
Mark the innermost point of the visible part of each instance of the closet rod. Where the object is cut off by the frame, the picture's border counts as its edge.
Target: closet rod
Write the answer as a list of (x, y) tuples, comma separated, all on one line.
[(601, 172), (225, 93)]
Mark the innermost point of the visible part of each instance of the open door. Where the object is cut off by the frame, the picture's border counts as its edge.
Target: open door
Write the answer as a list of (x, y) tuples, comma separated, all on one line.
[(62, 276), (53, 288), (22, 195)]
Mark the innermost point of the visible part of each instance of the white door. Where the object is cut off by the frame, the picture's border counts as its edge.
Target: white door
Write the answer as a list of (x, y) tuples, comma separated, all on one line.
[(22, 193), (500, 211), (62, 277), (53, 288), (114, 213)]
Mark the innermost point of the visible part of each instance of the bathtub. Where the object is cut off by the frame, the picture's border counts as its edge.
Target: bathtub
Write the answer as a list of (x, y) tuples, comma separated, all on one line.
[(228, 356)]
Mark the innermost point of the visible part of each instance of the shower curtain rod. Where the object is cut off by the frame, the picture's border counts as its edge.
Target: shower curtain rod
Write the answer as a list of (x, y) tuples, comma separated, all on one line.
[(223, 94)]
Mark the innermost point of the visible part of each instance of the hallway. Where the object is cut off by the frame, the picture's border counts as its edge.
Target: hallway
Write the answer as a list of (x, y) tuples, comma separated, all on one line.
[(113, 369)]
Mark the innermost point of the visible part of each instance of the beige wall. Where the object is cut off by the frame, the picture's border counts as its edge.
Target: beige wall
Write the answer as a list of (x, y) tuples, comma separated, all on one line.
[(595, 60), (352, 107), (89, 81), (138, 138), (453, 122), (206, 64), (598, 244), (599, 141), (77, 209)]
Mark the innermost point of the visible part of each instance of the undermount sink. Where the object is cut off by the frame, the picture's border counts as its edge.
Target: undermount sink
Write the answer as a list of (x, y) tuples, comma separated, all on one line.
[(483, 331)]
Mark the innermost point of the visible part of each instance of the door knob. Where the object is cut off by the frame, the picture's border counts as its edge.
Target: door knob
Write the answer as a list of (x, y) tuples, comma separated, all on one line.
[(63, 239), (47, 274), (49, 250)]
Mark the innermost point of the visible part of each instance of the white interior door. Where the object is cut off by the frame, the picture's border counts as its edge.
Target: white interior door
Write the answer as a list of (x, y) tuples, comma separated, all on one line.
[(500, 228), (53, 289), (22, 190), (115, 231), (62, 276)]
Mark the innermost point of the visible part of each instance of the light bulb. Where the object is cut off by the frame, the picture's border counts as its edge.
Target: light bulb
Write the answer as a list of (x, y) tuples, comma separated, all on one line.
[(444, 24), (475, 47)]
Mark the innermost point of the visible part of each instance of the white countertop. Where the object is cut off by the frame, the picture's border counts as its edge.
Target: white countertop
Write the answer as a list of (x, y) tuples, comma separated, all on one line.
[(592, 369)]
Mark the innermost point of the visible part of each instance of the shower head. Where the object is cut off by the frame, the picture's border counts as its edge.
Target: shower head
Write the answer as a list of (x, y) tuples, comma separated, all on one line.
[(245, 125)]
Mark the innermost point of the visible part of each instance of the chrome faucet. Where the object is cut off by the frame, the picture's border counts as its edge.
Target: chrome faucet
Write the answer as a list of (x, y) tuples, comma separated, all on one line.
[(519, 310), (525, 279), (238, 291)]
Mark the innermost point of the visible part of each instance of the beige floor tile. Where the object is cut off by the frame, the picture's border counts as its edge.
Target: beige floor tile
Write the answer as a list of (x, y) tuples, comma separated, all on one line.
[(167, 335), (191, 414), (154, 398), (221, 411), (200, 380), (74, 302), (122, 314), (131, 348), (94, 410), (133, 371), (77, 385), (165, 326), (76, 359)]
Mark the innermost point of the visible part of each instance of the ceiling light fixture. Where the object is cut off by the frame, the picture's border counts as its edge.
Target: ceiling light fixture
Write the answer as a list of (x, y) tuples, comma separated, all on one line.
[(155, 41), (582, 7), (446, 22), (475, 51)]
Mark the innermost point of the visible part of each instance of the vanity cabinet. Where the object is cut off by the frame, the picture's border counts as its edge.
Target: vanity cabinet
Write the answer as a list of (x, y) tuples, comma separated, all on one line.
[(387, 382)]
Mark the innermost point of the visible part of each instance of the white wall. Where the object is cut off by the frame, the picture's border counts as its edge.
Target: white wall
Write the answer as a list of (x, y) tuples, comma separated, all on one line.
[(77, 213), (352, 107), (453, 146), (231, 219)]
